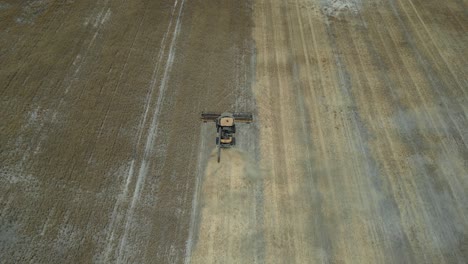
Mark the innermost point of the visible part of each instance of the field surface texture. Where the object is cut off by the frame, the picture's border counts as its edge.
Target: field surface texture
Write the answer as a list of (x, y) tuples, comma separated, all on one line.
[(358, 152)]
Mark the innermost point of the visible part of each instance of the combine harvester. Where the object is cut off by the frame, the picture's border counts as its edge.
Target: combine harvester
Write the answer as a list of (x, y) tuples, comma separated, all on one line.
[(226, 127)]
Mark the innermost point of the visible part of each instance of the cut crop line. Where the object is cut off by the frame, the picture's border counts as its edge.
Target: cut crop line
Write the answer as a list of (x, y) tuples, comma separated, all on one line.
[(196, 197), (424, 103), (421, 60), (423, 215), (443, 126), (435, 118), (437, 48), (305, 50), (275, 163)]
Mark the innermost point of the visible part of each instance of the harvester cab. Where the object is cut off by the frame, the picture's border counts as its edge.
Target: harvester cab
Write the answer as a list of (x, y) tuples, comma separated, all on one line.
[(226, 127)]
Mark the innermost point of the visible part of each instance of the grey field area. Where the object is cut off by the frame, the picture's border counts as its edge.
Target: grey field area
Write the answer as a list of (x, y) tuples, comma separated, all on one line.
[(358, 152)]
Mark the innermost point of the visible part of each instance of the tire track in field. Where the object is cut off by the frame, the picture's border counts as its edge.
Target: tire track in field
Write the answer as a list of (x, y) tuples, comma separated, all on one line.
[(447, 29), (410, 75), (424, 44), (408, 137), (195, 215), (387, 206), (123, 196), (452, 108), (349, 136), (435, 213), (151, 136), (374, 194), (299, 28), (110, 229)]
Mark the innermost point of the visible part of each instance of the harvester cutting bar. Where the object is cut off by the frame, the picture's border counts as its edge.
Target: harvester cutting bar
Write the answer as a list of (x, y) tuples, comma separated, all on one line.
[(205, 117), (243, 117), (239, 117)]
